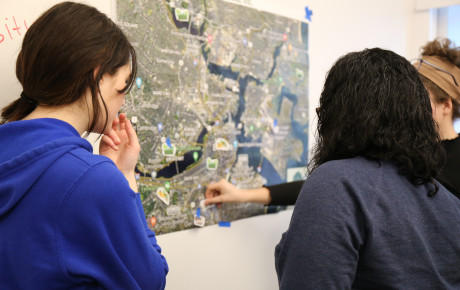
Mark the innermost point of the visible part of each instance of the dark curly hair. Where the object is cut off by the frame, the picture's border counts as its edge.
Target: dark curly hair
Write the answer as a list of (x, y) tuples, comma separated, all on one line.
[(374, 104), (446, 49)]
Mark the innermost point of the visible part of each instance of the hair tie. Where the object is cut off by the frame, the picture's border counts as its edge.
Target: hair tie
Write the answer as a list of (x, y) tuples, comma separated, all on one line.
[(28, 99)]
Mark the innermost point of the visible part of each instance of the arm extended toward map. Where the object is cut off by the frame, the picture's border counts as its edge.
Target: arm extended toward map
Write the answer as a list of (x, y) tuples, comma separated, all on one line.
[(280, 194), (223, 191)]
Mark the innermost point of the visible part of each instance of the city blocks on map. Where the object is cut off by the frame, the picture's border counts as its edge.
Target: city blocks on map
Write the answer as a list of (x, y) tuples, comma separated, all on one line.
[(221, 93)]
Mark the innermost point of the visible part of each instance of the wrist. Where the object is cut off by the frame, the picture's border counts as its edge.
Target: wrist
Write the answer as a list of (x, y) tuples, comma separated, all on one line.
[(131, 178), (258, 195)]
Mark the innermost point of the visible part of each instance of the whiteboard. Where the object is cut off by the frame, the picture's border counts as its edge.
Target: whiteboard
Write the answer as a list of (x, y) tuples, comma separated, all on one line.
[(15, 18)]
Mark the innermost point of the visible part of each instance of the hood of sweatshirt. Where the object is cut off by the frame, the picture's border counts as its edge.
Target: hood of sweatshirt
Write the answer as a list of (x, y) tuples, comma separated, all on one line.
[(27, 149)]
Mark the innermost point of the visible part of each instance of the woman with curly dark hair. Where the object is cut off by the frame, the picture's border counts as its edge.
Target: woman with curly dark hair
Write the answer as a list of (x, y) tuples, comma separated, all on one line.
[(371, 214), (439, 67)]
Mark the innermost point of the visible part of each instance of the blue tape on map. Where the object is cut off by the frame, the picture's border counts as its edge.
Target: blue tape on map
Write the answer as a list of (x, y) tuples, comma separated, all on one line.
[(224, 224), (308, 13)]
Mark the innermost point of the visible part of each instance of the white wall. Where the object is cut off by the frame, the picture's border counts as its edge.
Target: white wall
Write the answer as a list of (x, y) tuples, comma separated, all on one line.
[(241, 257)]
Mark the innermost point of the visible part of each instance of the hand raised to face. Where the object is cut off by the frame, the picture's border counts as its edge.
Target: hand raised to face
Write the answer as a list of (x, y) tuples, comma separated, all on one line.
[(121, 144)]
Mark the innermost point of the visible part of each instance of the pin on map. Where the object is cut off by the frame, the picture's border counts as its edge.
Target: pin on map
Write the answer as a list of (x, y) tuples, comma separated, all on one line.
[(153, 174), (182, 14), (138, 82), (153, 221), (160, 127), (235, 144), (285, 37), (212, 164), (299, 73), (221, 144), (163, 195), (168, 150), (198, 220), (195, 156), (275, 123), (168, 142), (167, 185), (209, 38)]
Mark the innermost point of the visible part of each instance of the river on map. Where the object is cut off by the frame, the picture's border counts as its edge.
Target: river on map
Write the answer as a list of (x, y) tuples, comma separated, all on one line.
[(178, 167)]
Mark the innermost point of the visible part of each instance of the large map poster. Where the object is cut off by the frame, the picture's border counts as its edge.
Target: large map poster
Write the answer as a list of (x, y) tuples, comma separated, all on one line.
[(221, 92)]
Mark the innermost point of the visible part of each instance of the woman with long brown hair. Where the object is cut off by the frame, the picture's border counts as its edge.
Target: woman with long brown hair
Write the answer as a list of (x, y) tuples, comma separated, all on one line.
[(68, 218)]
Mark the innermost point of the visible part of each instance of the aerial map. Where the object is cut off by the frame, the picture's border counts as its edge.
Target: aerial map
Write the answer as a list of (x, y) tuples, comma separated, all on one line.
[(221, 92)]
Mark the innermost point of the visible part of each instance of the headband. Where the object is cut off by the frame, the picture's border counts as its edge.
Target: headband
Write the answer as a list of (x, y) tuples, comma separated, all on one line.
[(440, 78)]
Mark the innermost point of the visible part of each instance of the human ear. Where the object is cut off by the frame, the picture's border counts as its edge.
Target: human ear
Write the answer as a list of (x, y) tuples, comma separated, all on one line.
[(447, 106)]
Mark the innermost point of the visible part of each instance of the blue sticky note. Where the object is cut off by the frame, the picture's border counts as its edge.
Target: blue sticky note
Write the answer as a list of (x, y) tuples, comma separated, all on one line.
[(224, 224)]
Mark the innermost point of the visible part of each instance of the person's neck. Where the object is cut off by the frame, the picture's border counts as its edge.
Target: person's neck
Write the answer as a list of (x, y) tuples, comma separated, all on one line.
[(72, 114), (447, 132)]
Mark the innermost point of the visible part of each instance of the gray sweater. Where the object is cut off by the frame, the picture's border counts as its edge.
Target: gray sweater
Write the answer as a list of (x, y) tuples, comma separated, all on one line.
[(359, 224)]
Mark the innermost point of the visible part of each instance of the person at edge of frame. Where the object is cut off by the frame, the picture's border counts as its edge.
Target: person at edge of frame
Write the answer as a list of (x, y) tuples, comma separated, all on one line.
[(70, 219), (371, 214)]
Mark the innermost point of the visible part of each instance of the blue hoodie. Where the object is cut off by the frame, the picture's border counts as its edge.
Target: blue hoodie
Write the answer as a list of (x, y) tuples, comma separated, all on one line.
[(68, 218)]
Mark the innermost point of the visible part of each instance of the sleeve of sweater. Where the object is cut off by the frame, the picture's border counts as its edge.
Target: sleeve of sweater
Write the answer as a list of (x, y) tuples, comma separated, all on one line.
[(320, 249), (285, 193), (104, 237)]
